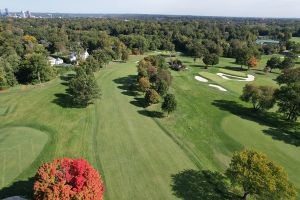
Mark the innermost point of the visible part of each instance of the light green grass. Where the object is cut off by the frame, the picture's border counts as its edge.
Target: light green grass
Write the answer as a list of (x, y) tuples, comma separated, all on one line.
[(135, 156), (19, 147), (234, 73), (296, 39), (215, 126), (136, 153)]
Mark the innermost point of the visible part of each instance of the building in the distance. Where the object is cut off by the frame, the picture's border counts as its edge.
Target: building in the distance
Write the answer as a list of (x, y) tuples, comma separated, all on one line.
[(28, 14), (23, 15), (55, 61), (6, 12)]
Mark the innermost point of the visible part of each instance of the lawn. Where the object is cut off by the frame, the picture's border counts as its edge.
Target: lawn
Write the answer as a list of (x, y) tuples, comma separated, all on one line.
[(133, 153), (296, 39), (19, 147), (135, 149)]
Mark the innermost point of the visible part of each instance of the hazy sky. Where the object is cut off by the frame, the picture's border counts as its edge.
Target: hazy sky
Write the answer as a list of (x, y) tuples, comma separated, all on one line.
[(254, 8)]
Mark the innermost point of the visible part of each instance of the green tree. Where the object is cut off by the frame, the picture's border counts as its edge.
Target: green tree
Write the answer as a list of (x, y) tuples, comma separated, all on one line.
[(273, 63), (288, 100), (161, 87), (35, 68), (288, 95), (151, 97), (83, 88), (170, 104), (261, 97), (260, 177), (243, 56), (287, 63), (7, 77), (125, 55), (211, 59)]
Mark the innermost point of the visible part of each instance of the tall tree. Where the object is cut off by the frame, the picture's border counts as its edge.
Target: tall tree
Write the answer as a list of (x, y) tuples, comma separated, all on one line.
[(273, 63), (35, 68), (288, 95), (261, 97), (83, 88), (170, 104), (258, 176), (210, 59)]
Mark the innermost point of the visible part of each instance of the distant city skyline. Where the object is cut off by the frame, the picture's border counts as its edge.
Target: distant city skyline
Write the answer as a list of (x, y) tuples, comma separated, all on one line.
[(234, 8)]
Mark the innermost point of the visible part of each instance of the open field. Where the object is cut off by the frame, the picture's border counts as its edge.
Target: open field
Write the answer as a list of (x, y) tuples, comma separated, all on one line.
[(296, 39), (135, 149)]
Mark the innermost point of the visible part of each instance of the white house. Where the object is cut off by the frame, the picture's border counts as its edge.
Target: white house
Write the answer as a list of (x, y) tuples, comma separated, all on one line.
[(55, 61), (73, 57), (84, 55)]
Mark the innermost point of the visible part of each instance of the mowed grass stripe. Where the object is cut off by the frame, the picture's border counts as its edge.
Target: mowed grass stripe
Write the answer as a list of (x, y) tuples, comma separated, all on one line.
[(137, 157)]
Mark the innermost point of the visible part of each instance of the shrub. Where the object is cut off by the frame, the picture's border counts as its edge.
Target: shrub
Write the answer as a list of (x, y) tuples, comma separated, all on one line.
[(68, 179), (144, 84), (151, 97), (169, 105)]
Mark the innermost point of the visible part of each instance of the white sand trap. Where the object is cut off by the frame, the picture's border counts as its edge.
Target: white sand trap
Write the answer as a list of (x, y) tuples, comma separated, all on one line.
[(201, 79), (14, 198), (236, 78), (218, 87)]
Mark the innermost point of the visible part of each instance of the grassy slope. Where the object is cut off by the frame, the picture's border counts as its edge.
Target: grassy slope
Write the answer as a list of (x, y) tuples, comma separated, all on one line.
[(134, 151), (135, 155), (215, 123)]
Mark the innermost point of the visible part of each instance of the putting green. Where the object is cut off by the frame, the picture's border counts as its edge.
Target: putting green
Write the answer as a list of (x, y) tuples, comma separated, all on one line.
[(258, 137), (19, 147)]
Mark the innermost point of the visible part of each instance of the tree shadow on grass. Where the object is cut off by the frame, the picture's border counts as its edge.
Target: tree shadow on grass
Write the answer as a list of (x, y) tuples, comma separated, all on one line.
[(199, 66), (139, 102), (289, 137), (22, 188), (280, 129), (238, 69), (152, 114), (201, 185)]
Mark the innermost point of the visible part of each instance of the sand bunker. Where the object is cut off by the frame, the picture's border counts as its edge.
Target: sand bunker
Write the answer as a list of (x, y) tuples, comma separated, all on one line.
[(14, 198), (201, 79), (249, 77), (218, 87)]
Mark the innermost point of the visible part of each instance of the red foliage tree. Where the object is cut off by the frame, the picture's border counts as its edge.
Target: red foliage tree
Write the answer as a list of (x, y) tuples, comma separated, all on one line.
[(66, 178), (252, 63)]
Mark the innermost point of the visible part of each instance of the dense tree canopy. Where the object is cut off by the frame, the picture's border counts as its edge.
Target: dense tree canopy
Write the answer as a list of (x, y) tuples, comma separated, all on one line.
[(83, 88), (260, 177), (68, 179), (261, 97)]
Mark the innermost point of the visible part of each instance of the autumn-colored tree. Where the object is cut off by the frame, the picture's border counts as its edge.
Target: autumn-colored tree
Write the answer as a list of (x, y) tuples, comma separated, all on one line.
[(65, 179), (144, 84), (151, 97), (29, 39), (252, 63), (260, 177)]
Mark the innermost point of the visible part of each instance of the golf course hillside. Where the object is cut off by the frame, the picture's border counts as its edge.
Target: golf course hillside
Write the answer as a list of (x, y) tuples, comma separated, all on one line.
[(137, 149)]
